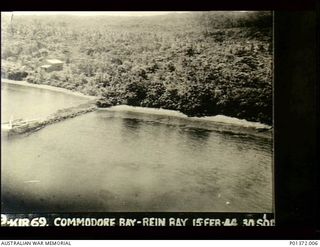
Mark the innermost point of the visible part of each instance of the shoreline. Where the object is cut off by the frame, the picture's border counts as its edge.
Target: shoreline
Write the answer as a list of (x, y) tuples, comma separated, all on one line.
[(164, 112), (48, 87), (231, 124), (218, 123)]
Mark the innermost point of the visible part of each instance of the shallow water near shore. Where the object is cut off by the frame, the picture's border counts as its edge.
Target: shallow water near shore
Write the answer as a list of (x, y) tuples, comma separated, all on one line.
[(108, 161), (20, 101)]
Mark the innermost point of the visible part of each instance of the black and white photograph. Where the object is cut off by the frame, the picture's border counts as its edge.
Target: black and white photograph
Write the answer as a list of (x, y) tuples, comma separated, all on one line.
[(147, 111)]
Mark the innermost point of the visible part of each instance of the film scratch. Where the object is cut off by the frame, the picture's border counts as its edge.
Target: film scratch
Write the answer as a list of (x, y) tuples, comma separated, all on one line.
[(137, 119)]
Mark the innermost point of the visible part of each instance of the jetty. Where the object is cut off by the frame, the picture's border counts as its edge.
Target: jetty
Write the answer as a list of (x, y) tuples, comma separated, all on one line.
[(17, 124), (21, 126)]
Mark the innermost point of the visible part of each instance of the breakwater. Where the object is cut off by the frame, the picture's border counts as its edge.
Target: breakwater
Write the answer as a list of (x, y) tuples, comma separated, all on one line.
[(58, 116)]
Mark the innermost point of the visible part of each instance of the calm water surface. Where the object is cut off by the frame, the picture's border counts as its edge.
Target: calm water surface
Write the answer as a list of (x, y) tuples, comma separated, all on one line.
[(121, 161), (24, 102)]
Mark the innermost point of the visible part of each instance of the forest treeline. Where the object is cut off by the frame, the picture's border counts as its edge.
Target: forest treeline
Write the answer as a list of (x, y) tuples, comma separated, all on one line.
[(200, 63)]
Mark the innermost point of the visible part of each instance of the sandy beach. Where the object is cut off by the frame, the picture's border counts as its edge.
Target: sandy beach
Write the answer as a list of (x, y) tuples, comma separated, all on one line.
[(218, 118)]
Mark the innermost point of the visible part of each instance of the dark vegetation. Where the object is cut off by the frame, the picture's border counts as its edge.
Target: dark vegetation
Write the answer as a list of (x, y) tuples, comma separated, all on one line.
[(200, 63)]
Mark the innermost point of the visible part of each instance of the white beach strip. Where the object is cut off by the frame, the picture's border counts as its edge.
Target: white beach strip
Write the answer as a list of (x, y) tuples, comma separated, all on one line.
[(48, 87), (235, 121), (217, 119), (147, 110)]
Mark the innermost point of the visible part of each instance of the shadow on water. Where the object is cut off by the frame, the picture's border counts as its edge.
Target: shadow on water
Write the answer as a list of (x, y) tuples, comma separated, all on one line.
[(16, 202), (131, 123), (130, 126), (199, 135)]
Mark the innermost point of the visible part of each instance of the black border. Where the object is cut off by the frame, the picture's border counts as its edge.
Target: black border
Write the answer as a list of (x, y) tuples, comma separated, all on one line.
[(156, 5), (296, 115), (296, 122)]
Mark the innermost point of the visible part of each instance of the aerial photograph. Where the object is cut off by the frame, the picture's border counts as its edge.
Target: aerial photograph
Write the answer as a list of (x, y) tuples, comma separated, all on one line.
[(137, 112)]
